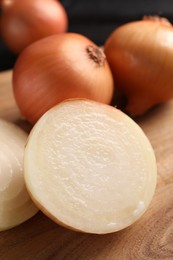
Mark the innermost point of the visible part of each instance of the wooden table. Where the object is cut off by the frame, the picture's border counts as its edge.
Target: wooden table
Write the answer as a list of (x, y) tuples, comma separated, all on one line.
[(149, 238)]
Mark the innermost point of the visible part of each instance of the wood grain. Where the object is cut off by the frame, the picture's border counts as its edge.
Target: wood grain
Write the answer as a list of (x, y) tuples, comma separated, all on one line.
[(149, 238)]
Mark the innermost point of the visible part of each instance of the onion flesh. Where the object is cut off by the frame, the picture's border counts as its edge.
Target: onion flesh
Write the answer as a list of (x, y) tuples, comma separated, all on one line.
[(90, 167), (15, 203)]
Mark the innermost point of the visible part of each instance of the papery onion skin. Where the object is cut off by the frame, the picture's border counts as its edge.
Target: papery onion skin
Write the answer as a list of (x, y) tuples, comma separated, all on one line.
[(58, 67), (26, 21), (140, 55)]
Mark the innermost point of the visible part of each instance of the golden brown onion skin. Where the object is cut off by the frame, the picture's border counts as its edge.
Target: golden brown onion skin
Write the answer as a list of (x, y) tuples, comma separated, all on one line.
[(140, 55), (26, 21), (58, 67)]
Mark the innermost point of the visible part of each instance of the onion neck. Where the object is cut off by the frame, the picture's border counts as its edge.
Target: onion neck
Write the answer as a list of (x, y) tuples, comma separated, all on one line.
[(96, 54), (154, 18)]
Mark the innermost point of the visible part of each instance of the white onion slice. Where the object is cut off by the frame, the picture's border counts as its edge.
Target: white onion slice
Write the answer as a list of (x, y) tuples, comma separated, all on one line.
[(90, 167), (15, 203)]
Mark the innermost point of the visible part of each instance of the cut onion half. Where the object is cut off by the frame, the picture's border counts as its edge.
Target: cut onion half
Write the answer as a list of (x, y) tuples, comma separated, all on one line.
[(15, 203), (90, 167)]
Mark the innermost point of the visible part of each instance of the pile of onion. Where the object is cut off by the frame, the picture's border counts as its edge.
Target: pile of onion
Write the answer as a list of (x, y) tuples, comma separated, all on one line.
[(58, 67), (26, 21), (89, 167), (140, 55)]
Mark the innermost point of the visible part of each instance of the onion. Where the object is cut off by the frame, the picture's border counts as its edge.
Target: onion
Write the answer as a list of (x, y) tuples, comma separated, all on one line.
[(58, 67), (89, 167), (15, 203), (140, 55), (26, 21)]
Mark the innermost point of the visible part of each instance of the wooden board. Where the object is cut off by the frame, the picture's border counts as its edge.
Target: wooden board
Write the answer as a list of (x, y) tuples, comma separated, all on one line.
[(149, 238)]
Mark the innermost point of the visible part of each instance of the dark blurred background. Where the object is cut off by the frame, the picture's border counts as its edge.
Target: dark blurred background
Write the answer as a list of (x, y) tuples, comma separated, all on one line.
[(96, 19)]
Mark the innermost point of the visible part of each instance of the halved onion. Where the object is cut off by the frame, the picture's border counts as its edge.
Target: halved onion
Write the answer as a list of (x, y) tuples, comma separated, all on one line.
[(15, 203), (90, 167)]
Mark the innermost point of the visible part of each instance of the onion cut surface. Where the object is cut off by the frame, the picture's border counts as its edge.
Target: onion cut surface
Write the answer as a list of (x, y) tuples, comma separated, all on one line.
[(89, 167), (15, 203)]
